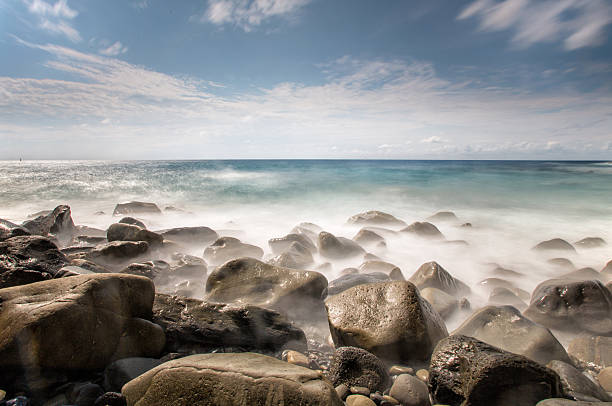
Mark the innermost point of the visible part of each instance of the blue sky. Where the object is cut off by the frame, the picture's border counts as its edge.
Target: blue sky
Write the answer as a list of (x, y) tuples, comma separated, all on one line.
[(433, 79)]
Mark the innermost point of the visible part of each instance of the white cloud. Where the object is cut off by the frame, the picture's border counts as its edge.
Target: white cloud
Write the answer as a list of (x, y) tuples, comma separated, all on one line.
[(113, 50), (434, 139), (248, 14), (577, 23), (54, 18), (141, 4)]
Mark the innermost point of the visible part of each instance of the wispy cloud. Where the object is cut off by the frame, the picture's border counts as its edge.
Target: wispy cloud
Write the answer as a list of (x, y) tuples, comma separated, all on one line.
[(54, 18), (576, 23), (115, 49), (248, 14)]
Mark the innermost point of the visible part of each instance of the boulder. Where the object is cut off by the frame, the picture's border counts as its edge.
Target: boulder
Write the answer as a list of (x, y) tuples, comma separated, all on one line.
[(120, 372), (227, 248), (375, 218), (132, 221), (365, 236), (230, 379), (58, 222), (191, 235), (576, 385), (28, 259), (356, 367), (584, 274), (432, 275), (605, 379), (423, 229), (556, 244), (579, 306), (353, 279), (590, 242), (309, 230), (295, 256), (388, 319), (193, 326), (6, 232), (129, 232), (445, 304), (118, 251), (111, 399), (504, 296), (410, 391), (593, 352), (75, 324), (136, 208), (466, 371), (359, 400), (282, 244), (607, 270), (372, 266), (504, 327), (187, 267), (72, 270), (443, 216), (146, 269), (563, 263), (334, 247)]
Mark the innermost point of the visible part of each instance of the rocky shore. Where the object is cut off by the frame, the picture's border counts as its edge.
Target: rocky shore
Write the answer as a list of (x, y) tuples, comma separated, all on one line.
[(129, 316)]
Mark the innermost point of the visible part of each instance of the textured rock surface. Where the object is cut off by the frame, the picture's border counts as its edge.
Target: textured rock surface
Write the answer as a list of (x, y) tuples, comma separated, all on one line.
[(353, 279), (230, 379), (576, 385), (130, 232), (410, 391), (591, 352), (58, 222), (357, 367)]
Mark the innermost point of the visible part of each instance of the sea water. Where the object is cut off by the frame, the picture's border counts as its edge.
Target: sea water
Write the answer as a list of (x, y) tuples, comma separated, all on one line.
[(512, 205)]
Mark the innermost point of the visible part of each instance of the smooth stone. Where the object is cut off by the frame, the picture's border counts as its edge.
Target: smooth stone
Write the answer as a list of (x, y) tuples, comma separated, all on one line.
[(87, 394), (423, 375), (423, 229), (357, 367), (130, 232), (593, 353), (376, 218), (443, 216), (505, 297), (360, 390), (556, 244), (282, 244), (466, 371), (410, 391), (200, 235), (365, 236), (230, 379), (389, 401), (584, 274), (605, 378), (228, 248), (433, 275), (334, 247), (296, 358), (132, 221), (120, 372), (400, 369), (388, 319), (562, 263), (119, 251), (506, 273), (371, 266), (136, 208), (445, 304), (348, 280), (296, 256), (342, 391), (576, 385), (359, 400), (590, 242)]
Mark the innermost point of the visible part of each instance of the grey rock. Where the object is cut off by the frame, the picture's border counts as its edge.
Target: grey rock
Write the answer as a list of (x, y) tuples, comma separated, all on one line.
[(191, 235), (445, 304), (357, 367), (282, 244), (347, 281), (556, 244), (129, 232), (376, 218), (365, 236), (443, 216), (132, 221), (432, 275), (227, 248), (563, 263), (423, 229), (590, 242), (503, 296), (118, 251), (394, 272), (584, 274), (136, 208), (410, 391), (334, 247), (58, 222), (295, 256)]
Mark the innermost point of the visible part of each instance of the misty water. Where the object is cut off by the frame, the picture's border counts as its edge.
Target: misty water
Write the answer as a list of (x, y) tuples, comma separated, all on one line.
[(512, 205)]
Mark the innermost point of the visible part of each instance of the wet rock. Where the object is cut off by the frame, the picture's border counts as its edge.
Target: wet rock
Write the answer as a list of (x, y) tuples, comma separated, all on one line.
[(58, 222), (556, 244), (349, 280), (188, 267), (6, 232), (376, 218), (423, 375), (194, 326), (225, 379), (310, 230), (357, 367), (296, 358), (129, 232), (90, 266), (424, 229), (72, 270), (359, 400), (365, 236), (86, 394), (334, 247), (118, 251), (227, 248), (576, 385), (410, 391), (74, 324), (503, 296), (466, 371), (132, 221), (580, 306), (443, 216), (400, 369), (28, 259), (296, 256), (111, 399), (432, 275), (388, 319), (590, 242), (136, 208), (394, 272), (594, 353), (282, 244), (445, 304), (124, 370), (146, 269), (504, 327), (191, 235), (567, 402), (605, 379)]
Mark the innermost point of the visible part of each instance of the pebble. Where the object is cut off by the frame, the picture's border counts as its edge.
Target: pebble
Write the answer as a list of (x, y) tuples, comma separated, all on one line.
[(296, 358), (423, 375), (360, 390), (389, 401), (400, 369), (342, 391), (359, 400), (410, 391), (605, 379)]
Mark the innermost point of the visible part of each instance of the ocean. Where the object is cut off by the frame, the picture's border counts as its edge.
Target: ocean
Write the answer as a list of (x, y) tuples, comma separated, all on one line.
[(512, 205)]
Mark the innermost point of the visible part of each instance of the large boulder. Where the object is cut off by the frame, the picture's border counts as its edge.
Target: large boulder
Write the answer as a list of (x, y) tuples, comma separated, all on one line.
[(504, 327), (230, 379), (353, 279), (191, 235), (432, 275), (282, 244), (594, 352), (388, 319), (227, 248), (249, 281), (75, 324), (29, 259), (334, 247), (136, 208), (466, 371), (579, 306), (556, 244), (376, 218), (193, 326), (354, 366), (576, 385), (130, 232), (423, 229), (58, 222)]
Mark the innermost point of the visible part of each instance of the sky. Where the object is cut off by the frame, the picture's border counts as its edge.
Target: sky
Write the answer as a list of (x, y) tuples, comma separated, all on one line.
[(374, 79)]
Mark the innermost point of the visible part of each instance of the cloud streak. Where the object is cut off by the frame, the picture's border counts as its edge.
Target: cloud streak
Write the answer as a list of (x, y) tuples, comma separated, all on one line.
[(54, 18), (249, 14)]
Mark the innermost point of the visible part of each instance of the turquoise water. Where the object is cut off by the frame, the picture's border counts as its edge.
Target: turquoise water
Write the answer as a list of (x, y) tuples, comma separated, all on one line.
[(512, 204)]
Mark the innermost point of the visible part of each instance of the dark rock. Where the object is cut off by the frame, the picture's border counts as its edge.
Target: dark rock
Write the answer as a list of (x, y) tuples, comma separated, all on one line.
[(111, 399), (365, 236), (357, 367), (423, 229), (556, 244), (334, 247), (124, 370), (375, 218), (410, 391), (230, 379), (188, 267), (195, 326), (388, 319), (90, 266), (594, 353), (353, 279), (87, 394), (282, 244), (432, 275), (129, 232), (590, 242), (28, 259), (133, 221), (227, 248), (445, 304), (465, 371), (118, 251), (443, 216), (191, 235), (146, 269), (567, 402), (504, 327), (580, 306), (72, 270), (136, 208), (58, 222), (468, 225), (576, 385)]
